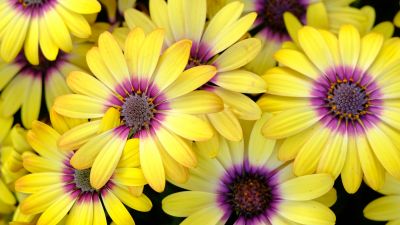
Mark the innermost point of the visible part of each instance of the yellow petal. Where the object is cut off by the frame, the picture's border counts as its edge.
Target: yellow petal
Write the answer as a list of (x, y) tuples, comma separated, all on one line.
[(80, 106), (226, 123), (307, 159), (198, 129), (238, 55), (290, 122), (291, 146), (31, 106), (59, 31), (171, 64), (176, 147), (140, 203), (31, 47), (81, 212), (306, 187), (14, 37), (212, 213), (351, 172), (370, 46), (99, 68), (385, 150), (240, 81), (317, 16), (298, 62), (384, 208), (113, 57), (76, 23), (108, 158), (286, 82), (134, 18), (315, 47), (129, 177), (349, 45), (190, 80), (307, 212), (116, 209), (149, 54), (57, 210), (6, 195), (47, 45), (133, 44), (196, 102), (185, 203), (334, 155), (33, 183), (78, 135), (86, 7), (152, 165)]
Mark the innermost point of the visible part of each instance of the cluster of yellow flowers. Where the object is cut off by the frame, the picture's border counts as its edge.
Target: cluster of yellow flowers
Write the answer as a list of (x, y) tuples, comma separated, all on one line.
[(253, 107)]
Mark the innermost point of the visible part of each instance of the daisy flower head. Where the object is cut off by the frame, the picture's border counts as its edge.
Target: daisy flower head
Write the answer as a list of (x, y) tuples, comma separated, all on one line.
[(336, 104), (386, 208), (247, 184), (57, 191), (55, 19), (140, 92), (28, 80), (278, 21), (220, 43)]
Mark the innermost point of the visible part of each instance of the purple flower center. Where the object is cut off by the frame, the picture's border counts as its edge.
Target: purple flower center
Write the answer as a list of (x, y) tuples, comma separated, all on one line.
[(250, 195), (347, 99), (248, 192), (271, 13), (82, 180), (32, 3), (137, 111)]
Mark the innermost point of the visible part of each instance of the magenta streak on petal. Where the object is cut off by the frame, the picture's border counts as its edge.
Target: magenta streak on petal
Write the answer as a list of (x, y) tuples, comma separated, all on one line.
[(121, 132)]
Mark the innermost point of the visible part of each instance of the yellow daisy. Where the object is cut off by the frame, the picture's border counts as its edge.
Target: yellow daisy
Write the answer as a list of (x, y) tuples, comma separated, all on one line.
[(55, 19), (27, 80), (246, 184), (142, 93), (220, 44), (336, 102), (386, 208), (278, 20), (57, 190)]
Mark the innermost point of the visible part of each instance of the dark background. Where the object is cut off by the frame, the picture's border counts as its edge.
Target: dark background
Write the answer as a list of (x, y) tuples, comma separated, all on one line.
[(348, 208)]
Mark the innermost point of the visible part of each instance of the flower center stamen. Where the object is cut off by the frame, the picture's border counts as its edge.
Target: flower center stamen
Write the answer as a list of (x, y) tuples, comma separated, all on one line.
[(82, 180), (347, 99), (273, 10), (250, 195), (27, 3), (137, 112)]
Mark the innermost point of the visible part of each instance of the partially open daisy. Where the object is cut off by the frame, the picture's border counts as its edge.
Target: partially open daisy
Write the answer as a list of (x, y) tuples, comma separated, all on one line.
[(336, 102), (55, 19), (28, 80), (57, 190), (145, 96), (386, 208), (247, 185), (218, 44)]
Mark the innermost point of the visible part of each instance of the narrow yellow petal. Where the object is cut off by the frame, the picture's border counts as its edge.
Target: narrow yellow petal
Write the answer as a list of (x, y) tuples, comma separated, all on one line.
[(6, 195), (80, 106), (306, 161), (107, 160), (384, 208), (349, 45), (14, 37), (293, 25), (238, 55), (198, 129), (31, 47), (351, 172), (40, 201), (291, 146), (31, 106), (260, 148), (133, 44), (113, 57), (290, 122), (81, 212), (317, 16), (370, 46), (213, 214), (86, 7), (286, 82), (47, 45), (149, 54), (76, 23), (185, 203), (315, 47), (99, 217), (151, 162), (57, 210), (176, 147), (33, 183), (78, 135), (226, 123), (240, 81), (306, 187), (196, 102), (99, 68), (116, 209), (59, 31), (135, 18), (129, 177), (307, 212), (190, 80), (275, 104), (297, 61), (140, 203), (171, 63), (334, 155)]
